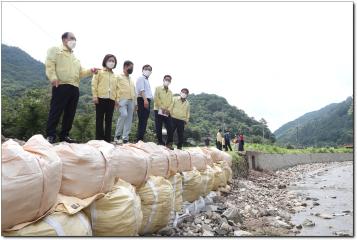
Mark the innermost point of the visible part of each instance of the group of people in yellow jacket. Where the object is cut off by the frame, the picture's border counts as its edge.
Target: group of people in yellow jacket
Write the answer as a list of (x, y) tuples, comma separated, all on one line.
[(111, 91)]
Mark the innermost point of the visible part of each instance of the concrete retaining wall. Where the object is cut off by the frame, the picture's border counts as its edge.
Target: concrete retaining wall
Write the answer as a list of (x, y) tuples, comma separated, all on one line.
[(266, 161)]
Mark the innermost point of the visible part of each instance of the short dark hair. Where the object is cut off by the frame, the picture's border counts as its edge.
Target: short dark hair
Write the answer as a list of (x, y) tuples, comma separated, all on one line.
[(127, 63), (168, 76), (106, 59), (146, 65), (185, 89), (219, 130), (65, 35)]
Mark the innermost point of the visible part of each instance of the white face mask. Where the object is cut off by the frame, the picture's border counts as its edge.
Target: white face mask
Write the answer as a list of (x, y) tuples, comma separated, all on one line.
[(146, 73), (110, 64), (71, 44), (166, 83), (183, 95)]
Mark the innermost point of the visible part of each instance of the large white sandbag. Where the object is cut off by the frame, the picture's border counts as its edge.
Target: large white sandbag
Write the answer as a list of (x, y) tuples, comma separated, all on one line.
[(192, 185), (56, 224), (198, 159), (31, 179), (176, 182), (85, 171), (156, 203), (118, 213), (130, 164), (183, 160)]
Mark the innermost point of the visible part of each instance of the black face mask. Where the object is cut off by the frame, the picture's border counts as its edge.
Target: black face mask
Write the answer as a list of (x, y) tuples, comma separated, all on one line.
[(130, 70)]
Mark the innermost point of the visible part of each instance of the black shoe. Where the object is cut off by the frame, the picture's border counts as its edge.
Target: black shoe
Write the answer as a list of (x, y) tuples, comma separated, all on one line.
[(69, 140), (169, 146), (51, 139), (125, 141)]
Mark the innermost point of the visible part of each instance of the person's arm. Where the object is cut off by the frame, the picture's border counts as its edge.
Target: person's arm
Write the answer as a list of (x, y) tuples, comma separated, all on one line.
[(140, 85), (157, 98), (50, 65), (188, 113), (95, 88)]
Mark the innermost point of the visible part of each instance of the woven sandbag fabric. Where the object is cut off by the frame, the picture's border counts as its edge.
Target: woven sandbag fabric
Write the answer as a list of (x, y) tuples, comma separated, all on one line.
[(227, 171), (216, 154), (31, 179), (129, 164), (159, 162), (207, 154), (156, 203), (227, 158), (118, 213), (85, 170), (184, 160), (192, 185), (176, 182), (199, 159), (56, 224), (207, 180), (219, 177)]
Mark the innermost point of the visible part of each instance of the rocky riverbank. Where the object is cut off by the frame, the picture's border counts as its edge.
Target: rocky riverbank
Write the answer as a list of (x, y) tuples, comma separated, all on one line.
[(260, 205)]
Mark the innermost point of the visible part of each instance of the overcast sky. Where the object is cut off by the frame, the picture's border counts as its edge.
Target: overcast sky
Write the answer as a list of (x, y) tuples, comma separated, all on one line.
[(277, 60)]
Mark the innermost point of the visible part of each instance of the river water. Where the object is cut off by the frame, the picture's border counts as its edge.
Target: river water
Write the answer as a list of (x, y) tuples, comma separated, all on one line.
[(331, 188)]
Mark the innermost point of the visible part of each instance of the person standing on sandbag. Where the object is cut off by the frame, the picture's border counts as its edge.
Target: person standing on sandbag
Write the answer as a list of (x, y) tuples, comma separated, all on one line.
[(145, 96), (127, 104), (162, 102), (180, 113), (105, 90), (64, 71)]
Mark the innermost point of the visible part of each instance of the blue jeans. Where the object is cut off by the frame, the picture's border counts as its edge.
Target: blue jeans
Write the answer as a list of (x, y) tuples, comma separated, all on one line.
[(125, 119)]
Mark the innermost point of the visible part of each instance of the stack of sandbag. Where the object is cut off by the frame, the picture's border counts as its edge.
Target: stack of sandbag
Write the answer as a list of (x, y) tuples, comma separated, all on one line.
[(183, 160), (162, 151), (226, 170), (129, 164), (207, 177), (156, 204), (31, 179), (176, 182), (199, 160), (118, 213), (56, 224), (215, 153), (159, 162), (219, 177), (227, 158), (206, 153), (86, 171), (192, 185)]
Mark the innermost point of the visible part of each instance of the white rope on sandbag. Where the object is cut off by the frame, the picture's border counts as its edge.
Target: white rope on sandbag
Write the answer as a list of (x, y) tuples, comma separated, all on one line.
[(84, 222), (93, 214), (55, 225), (154, 205), (174, 194)]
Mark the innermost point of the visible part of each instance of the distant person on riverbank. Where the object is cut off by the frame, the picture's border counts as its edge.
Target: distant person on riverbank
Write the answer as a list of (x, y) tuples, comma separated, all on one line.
[(219, 139), (241, 143), (207, 140), (64, 71), (227, 140)]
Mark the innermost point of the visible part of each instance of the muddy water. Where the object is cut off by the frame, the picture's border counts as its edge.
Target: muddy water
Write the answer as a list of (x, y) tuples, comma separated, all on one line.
[(331, 188)]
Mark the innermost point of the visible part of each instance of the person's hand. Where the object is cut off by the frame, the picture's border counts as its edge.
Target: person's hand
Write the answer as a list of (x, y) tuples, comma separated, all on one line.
[(146, 103), (94, 70), (95, 100), (186, 123), (117, 105), (55, 82), (136, 108)]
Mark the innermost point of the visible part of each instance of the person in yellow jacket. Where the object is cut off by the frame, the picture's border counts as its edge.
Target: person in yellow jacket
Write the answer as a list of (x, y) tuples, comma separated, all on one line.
[(105, 89), (127, 103), (180, 114), (162, 102), (64, 71)]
